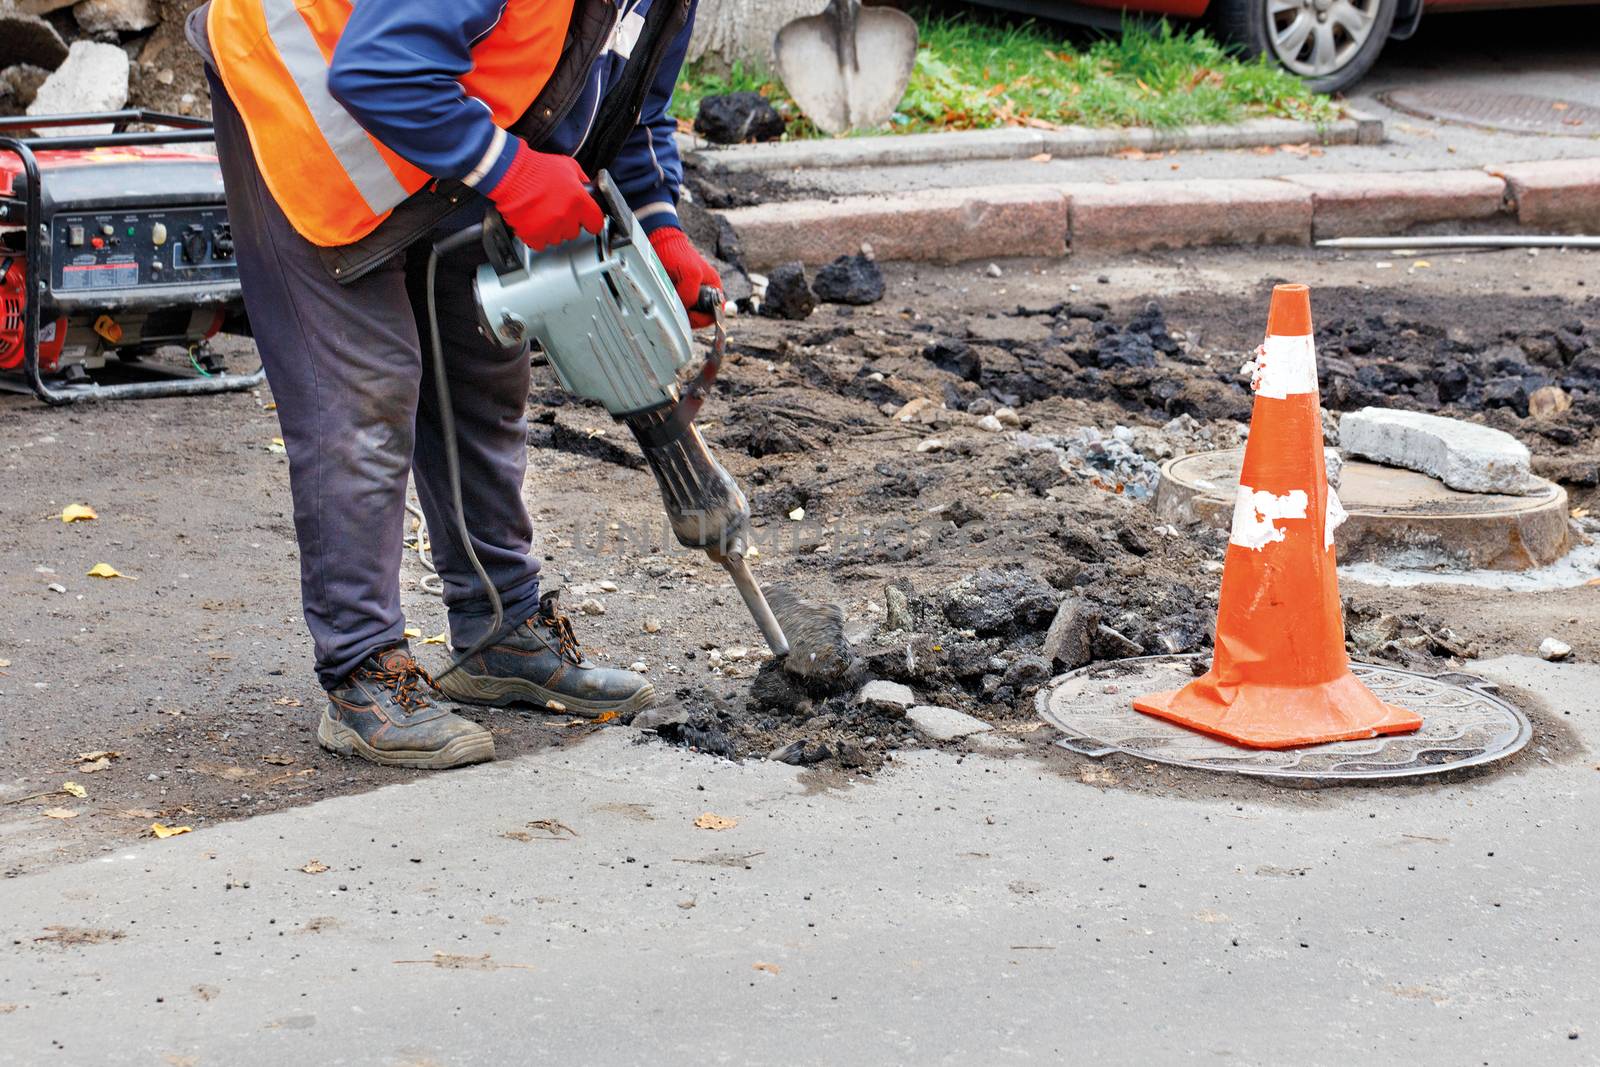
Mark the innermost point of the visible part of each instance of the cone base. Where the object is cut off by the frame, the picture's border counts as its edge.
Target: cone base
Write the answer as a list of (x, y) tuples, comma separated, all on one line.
[(1264, 716)]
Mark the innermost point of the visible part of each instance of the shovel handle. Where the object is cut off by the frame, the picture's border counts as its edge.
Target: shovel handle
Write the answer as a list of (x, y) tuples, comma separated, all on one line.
[(844, 14)]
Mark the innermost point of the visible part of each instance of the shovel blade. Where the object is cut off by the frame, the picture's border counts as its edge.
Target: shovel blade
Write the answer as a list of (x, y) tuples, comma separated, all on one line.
[(835, 94)]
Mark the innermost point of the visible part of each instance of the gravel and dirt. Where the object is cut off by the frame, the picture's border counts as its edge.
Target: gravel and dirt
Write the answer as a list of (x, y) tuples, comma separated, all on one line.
[(950, 464)]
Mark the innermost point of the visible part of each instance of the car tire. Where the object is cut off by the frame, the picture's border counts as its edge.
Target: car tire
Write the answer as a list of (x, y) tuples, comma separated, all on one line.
[(1351, 33)]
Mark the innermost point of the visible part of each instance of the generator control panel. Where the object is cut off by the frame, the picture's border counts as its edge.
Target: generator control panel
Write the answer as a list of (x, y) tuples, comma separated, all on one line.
[(98, 251)]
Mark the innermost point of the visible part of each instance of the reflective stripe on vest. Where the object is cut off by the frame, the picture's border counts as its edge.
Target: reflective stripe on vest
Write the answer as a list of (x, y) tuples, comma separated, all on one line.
[(356, 153), (331, 178)]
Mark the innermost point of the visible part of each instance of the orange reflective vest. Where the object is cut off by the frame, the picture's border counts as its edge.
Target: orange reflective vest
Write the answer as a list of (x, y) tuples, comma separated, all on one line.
[(333, 180)]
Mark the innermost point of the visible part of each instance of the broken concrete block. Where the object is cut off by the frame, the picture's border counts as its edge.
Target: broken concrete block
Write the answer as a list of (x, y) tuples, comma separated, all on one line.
[(93, 78), (1462, 455), (115, 16), (29, 39), (944, 724), (886, 696), (1069, 643)]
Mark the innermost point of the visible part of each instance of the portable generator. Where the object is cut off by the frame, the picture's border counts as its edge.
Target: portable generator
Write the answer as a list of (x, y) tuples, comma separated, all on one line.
[(112, 246)]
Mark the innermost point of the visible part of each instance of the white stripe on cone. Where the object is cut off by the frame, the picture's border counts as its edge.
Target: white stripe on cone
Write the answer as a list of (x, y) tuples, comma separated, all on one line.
[(1284, 367), (1256, 514)]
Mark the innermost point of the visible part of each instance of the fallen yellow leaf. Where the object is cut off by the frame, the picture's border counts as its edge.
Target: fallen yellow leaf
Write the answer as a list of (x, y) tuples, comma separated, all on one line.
[(106, 570), (78, 513), (710, 821), (1421, 264), (165, 832), (315, 867), (412, 631), (75, 789), (437, 639), (59, 813)]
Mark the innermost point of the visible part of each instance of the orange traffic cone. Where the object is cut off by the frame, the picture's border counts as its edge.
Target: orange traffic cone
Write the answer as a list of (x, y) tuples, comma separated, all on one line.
[(1280, 676)]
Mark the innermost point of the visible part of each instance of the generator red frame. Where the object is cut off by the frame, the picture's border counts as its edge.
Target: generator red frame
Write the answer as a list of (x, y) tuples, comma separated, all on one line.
[(28, 209)]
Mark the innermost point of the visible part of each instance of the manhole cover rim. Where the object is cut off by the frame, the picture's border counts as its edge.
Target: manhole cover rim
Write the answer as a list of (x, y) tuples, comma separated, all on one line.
[(1098, 748), (1549, 494)]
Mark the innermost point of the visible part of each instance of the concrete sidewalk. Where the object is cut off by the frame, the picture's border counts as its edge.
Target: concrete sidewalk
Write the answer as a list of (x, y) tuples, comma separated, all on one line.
[(957, 910)]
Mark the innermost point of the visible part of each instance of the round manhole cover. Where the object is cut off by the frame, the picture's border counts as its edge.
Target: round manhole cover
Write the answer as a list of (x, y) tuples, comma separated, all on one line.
[(1516, 112), (1396, 516), (1463, 725)]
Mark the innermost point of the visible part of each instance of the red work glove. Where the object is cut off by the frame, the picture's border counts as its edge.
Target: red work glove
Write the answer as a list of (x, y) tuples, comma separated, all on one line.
[(688, 270), (543, 200)]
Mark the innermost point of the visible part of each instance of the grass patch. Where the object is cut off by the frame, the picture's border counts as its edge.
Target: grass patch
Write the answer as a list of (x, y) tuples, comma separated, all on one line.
[(973, 75)]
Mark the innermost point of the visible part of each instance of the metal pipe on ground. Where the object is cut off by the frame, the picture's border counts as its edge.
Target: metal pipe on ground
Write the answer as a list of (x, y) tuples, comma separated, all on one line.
[(1463, 241)]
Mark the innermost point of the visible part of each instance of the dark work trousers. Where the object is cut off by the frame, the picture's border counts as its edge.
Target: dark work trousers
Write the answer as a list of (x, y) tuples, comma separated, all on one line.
[(351, 370)]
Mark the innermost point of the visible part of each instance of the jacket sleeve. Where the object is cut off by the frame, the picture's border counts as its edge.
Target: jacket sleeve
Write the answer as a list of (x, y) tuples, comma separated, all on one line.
[(648, 169), (397, 70)]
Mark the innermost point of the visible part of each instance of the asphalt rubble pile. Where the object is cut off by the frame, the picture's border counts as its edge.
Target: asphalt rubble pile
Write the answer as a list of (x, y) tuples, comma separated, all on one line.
[(1090, 574)]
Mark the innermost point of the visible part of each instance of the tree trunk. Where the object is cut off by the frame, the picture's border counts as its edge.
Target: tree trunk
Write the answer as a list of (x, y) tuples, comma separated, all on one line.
[(741, 31)]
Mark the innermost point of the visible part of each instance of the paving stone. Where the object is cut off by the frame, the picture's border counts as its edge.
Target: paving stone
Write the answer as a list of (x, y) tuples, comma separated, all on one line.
[(1462, 455), (1377, 204), (1557, 194), (1140, 216), (945, 724), (940, 225)]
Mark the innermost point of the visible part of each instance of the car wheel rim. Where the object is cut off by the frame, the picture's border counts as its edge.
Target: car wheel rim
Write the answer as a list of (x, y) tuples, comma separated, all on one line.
[(1315, 38)]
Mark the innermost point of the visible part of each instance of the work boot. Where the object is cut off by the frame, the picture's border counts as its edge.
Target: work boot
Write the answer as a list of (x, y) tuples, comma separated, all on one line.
[(540, 663), (382, 712)]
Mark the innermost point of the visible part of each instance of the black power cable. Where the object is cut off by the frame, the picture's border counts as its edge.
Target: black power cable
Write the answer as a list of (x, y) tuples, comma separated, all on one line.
[(452, 453)]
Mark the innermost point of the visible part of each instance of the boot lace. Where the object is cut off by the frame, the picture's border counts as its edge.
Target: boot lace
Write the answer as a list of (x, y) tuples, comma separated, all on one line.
[(406, 679), (561, 626)]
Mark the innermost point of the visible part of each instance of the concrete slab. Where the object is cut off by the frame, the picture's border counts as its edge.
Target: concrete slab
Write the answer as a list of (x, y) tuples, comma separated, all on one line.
[(1463, 455), (958, 910), (1396, 517)]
